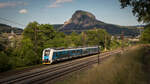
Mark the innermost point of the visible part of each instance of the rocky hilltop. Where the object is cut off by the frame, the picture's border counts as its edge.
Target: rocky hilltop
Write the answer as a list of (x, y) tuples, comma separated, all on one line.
[(83, 20)]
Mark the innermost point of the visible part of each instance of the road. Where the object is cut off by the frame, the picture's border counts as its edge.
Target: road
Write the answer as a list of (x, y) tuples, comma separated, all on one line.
[(55, 71)]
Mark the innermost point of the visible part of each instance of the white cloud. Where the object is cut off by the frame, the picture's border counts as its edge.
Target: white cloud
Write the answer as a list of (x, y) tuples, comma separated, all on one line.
[(63, 1), (58, 3), (11, 4), (23, 11), (54, 6)]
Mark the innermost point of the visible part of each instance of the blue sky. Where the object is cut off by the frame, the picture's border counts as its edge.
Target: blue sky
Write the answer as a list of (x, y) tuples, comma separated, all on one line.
[(58, 11)]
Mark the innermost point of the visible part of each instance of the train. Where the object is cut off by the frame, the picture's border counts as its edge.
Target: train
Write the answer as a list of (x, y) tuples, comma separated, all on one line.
[(51, 55)]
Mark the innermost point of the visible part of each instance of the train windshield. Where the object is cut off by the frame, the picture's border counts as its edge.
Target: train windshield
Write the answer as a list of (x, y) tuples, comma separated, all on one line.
[(47, 52), (46, 56)]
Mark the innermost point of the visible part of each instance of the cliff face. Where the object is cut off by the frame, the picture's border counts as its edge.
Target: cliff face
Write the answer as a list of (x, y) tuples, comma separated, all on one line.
[(82, 20)]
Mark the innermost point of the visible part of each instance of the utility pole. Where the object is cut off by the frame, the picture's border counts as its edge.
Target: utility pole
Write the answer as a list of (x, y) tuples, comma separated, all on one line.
[(84, 39), (122, 37), (35, 39), (98, 55), (98, 48), (105, 40)]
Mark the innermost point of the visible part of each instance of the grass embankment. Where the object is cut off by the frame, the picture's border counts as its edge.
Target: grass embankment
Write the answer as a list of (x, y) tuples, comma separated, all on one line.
[(132, 67)]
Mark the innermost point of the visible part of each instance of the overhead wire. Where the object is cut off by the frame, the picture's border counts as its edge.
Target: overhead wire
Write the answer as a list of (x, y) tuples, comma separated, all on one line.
[(16, 23)]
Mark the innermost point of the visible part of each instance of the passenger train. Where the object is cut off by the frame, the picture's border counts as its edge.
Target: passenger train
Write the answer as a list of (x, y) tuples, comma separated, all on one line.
[(52, 55)]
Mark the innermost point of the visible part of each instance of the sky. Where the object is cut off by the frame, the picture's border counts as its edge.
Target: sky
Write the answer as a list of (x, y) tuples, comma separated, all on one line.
[(18, 13)]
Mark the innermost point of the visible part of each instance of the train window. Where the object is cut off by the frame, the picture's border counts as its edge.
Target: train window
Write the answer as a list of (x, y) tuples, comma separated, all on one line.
[(56, 53), (60, 53), (78, 51), (75, 51), (63, 53), (72, 51), (68, 53)]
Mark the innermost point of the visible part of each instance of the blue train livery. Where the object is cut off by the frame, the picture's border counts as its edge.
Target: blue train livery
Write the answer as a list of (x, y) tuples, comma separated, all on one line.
[(51, 55)]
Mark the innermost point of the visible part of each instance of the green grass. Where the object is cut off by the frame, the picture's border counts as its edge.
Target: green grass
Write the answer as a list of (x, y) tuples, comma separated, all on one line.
[(132, 67)]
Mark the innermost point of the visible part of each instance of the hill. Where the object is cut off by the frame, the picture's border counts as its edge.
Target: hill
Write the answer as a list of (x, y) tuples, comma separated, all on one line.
[(7, 29), (83, 20)]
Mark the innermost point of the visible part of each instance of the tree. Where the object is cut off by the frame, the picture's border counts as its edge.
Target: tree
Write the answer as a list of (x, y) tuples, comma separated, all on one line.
[(98, 37), (4, 62), (29, 31), (24, 54), (57, 41), (45, 35), (39, 34), (145, 37), (75, 39), (114, 44), (35, 39), (2, 44), (140, 8), (46, 32)]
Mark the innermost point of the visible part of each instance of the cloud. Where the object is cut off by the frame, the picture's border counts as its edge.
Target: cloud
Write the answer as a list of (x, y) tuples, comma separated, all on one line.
[(58, 3), (23, 11), (11, 4)]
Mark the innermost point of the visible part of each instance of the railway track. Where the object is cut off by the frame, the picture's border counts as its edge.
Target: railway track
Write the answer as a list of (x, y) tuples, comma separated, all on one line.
[(51, 73)]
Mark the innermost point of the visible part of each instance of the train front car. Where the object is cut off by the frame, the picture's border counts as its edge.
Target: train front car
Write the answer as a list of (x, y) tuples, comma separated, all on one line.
[(47, 56)]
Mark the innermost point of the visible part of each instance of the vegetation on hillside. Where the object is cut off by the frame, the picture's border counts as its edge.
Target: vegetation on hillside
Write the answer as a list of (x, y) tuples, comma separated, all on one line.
[(132, 67)]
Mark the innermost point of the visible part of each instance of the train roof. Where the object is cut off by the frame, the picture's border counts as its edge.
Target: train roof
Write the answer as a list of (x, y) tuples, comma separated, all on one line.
[(74, 49), (71, 49)]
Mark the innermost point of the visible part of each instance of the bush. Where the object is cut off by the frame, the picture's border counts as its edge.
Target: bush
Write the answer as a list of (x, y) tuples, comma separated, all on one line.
[(4, 62)]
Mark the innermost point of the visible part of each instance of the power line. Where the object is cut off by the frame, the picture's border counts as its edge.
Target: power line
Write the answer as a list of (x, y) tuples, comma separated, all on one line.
[(12, 22)]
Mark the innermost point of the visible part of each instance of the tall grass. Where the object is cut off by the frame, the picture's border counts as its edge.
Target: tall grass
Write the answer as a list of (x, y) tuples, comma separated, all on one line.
[(132, 67)]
